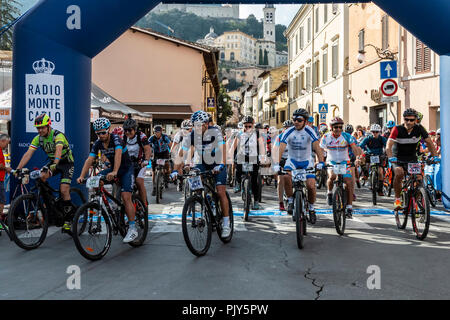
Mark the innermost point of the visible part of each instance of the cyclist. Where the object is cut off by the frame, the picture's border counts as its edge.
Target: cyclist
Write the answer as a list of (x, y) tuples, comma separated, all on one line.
[(61, 161), (375, 145), (206, 143), (248, 144), (337, 144), (402, 147), (389, 126), (139, 152), (186, 128), (310, 123), (116, 151), (354, 164), (281, 177), (160, 144), (300, 140)]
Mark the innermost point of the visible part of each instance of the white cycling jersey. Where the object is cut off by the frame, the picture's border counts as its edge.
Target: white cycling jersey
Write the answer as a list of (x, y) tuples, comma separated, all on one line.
[(337, 148), (299, 143)]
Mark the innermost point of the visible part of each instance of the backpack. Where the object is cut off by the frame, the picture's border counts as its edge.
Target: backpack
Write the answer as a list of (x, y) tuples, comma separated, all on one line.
[(139, 141)]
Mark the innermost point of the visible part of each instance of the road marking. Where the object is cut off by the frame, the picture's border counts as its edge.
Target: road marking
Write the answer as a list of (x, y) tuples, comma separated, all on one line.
[(354, 223), (283, 223), (167, 225)]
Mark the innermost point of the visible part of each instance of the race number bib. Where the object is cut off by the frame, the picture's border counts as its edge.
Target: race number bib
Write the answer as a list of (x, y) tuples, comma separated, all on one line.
[(414, 168), (93, 182), (247, 167), (299, 175), (340, 168), (160, 162), (195, 183), (375, 159)]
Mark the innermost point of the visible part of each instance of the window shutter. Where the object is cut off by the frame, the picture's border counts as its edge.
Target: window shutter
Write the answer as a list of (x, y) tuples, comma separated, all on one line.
[(314, 75), (426, 58), (299, 89), (419, 56), (325, 67), (296, 44), (361, 40), (302, 80), (385, 32), (335, 8), (308, 78), (309, 30), (335, 66), (317, 19), (325, 13), (301, 38)]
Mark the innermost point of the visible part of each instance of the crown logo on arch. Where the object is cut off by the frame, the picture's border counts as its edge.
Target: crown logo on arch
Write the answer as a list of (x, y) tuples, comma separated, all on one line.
[(43, 66)]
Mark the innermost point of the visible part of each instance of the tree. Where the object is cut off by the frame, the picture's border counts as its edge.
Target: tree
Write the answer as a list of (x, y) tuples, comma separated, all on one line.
[(260, 57), (266, 59), (9, 11), (223, 106)]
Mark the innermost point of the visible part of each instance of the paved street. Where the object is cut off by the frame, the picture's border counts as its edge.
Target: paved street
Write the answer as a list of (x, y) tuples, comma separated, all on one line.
[(261, 262)]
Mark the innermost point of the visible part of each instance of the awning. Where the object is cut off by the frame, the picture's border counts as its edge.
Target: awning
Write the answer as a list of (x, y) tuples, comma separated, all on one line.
[(164, 111)]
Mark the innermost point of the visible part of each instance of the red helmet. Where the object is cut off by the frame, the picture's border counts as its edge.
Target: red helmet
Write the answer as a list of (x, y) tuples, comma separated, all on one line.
[(336, 120), (118, 131), (432, 133)]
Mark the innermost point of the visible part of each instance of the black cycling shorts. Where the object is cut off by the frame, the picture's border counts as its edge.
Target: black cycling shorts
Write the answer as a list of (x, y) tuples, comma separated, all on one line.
[(64, 168)]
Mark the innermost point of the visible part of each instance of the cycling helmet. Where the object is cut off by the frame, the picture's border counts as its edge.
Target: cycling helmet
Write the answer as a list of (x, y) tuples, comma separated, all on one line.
[(258, 125), (118, 131), (375, 127), (323, 130), (390, 124), (419, 116), (186, 124), (288, 123), (336, 120), (200, 117), (101, 123), (247, 119), (157, 128), (130, 124), (301, 113), (438, 131), (410, 112), (240, 125), (311, 119), (272, 130), (348, 128), (42, 120), (265, 126), (432, 133)]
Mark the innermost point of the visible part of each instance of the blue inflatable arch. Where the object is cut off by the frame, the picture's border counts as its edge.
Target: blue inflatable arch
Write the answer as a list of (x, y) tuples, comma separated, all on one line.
[(54, 44)]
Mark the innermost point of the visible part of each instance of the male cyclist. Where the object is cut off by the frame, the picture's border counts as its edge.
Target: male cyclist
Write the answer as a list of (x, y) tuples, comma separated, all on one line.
[(374, 146), (337, 144), (139, 152), (354, 164), (61, 161), (160, 144), (249, 143), (282, 178), (207, 144), (115, 150), (186, 128), (300, 140), (389, 126), (402, 148)]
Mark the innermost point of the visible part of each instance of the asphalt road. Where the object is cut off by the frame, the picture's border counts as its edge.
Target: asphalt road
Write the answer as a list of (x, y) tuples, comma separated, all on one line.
[(261, 262)]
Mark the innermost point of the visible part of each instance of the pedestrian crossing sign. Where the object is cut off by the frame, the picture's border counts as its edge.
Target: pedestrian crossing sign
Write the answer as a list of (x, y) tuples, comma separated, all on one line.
[(323, 108)]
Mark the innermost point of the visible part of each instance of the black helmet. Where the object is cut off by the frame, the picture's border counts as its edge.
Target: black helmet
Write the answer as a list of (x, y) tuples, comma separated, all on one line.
[(130, 124), (348, 128), (410, 112), (247, 119), (157, 128), (266, 126), (258, 125), (301, 113)]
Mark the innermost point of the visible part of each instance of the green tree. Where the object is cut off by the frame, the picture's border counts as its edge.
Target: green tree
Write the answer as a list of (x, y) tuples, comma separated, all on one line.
[(261, 61), (223, 106), (9, 11), (266, 59)]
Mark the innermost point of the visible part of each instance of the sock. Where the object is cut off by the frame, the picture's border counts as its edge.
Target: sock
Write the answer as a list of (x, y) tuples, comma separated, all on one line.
[(330, 192), (311, 206), (132, 224), (291, 199), (349, 206), (226, 221)]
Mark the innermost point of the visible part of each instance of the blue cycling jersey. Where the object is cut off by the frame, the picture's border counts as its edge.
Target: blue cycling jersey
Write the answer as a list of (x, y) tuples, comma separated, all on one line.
[(159, 145), (114, 143), (373, 145)]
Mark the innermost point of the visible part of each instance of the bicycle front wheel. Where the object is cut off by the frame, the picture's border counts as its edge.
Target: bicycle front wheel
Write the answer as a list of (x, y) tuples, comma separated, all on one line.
[(28, 221), (374, 186), (339, 211), (401, 216), (92, 231), (300, 225), (141, 221), (431, 192), (196, 225), (247, 198), (420, 214)]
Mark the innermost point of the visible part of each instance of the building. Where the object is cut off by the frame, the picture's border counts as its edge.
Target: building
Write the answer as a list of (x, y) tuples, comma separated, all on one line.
[(209, 39), (245, 75), (281, 58), (202, 10), (370, 29), (154, 73), (280, 95), (318, 60), (237, 46)]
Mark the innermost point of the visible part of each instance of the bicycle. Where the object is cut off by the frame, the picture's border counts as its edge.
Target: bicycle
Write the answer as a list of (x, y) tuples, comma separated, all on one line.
[(321, 178), (96, 221), (388, 181), (339, 196), (30, 214), (160, 178), (375, 161), (202, 212), (415, 200), (246, 188), (429, 184)]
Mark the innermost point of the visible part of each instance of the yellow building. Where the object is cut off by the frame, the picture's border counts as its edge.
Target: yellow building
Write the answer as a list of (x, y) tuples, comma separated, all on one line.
[(271, 80), (237, 46), (280, 99)]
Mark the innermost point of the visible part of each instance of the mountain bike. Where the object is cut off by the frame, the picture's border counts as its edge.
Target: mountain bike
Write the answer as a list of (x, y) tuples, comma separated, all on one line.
[(96, 221), (321, 178), (202, 212), (375, 163), (31, 214), (429, 184), (415, 201), (339, 196), (160, 178), (246, 188), (388, 181)]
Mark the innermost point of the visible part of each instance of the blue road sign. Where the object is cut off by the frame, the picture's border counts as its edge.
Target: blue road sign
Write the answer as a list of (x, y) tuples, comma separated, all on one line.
[(388, 69), (211, 102), (323, 108), (323, 117)]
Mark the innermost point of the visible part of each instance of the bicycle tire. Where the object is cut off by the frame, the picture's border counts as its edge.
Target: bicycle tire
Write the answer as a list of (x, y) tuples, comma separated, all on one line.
[(424, 207), (260, 184), (158, 186), (204, 222), (431, 191), (85, 214), (299, 220), (15, 222), (401, 216), (141, 221), (186, 189), (82, 200), (374, 186), (220, 218), (339, 216), (247, 198)]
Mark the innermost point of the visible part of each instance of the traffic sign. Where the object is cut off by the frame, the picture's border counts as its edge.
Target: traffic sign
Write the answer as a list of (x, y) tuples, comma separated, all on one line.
[(389, 87), (388, 69), (211, 102), (323, 108), (323, 117), (389, 99)]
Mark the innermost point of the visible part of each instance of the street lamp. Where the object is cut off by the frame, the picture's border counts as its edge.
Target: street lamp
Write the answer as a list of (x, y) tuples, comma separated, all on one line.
[(382, 54)]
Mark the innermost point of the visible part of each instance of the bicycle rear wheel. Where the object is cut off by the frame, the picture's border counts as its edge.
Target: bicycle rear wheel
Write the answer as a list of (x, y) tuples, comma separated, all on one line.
[(431, 192), (95, 239), (401, 216), (374, 186), (219, 216), (300, 223), (196, 225), (247, 198), (339, 210), (141, 221), (420, 213), (159, 182)]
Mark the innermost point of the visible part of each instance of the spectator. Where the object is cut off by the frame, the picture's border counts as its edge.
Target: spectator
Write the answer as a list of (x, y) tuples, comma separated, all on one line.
[(4, 141)]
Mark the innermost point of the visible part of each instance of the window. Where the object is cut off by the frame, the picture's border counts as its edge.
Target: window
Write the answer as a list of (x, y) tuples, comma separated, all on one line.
[(325, 13), (309, 30), (315, 75), (308, 77), (295, 88), (325, 66), (296, 44), (334, 8), (222, 56), (302, 81), (335, 57), (361, 40), (423, 57), (232, 56), (317, 20), (385, 32), (266, 87), (301, 38)]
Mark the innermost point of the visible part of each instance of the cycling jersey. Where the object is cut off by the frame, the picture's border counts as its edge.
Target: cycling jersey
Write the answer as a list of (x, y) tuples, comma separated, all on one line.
[(406, 143), (135, 147), (300, 143), (248, 147), (374, 146), (49, 143), (114, 143), (159, 145), (206, 146), (337, 148)]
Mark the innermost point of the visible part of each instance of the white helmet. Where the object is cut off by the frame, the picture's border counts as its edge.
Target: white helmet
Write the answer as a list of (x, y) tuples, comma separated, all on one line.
[(438, 131), (186, 124), (375, 127), (101, 123), (240, 125), (200, 116), (272, 130)]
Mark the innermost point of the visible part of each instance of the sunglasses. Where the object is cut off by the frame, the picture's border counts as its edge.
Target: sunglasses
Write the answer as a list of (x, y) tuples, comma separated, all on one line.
[(337, 127), (410, 120), (101, 133), (248, 127), (298, 120), (129, 130)]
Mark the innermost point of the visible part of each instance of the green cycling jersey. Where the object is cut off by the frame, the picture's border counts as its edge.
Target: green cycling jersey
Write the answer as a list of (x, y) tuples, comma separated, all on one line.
[(49, 143)]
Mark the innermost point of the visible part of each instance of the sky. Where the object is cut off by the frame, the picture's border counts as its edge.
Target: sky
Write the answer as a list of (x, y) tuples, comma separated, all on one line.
[(283, 15)]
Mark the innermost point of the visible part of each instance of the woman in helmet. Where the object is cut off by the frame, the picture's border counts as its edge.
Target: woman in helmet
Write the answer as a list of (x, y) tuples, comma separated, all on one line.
[(116, 151)]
